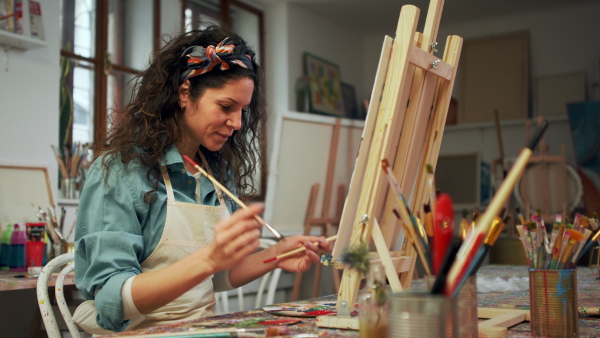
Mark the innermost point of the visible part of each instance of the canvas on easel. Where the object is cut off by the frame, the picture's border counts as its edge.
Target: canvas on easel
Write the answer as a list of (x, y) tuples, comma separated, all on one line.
[(404, 125)]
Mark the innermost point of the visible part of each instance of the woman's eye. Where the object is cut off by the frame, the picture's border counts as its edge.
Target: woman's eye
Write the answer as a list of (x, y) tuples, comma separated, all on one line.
[(225, 108), (245, 109)]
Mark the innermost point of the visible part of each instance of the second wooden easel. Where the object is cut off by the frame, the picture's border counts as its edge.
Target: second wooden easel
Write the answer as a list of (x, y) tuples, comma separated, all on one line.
[(325, 224)]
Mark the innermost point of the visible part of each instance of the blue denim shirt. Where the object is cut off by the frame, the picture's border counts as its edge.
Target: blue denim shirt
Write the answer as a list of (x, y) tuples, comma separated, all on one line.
[(116, 230)]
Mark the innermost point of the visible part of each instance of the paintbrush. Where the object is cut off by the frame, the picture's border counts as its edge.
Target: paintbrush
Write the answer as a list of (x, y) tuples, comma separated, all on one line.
[(463, 229), (520, 216), (431, 187), (293, 252), (404, 211), (579, 247), (440, 281), (411, 234), (522, 236), (576, 236), (232, 196), (589, 244), (468, 250), (489, 241)]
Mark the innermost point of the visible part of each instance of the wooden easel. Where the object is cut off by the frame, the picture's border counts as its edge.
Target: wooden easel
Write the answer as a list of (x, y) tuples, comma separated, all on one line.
[(325, 223), (404, 125), (544, 160)]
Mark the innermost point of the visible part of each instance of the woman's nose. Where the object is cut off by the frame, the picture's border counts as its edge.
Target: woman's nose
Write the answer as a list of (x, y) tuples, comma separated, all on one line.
[(235, 121)]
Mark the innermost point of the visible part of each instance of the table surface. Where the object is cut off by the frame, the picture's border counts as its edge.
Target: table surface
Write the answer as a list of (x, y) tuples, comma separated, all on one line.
[(10, 280), (588, 296)]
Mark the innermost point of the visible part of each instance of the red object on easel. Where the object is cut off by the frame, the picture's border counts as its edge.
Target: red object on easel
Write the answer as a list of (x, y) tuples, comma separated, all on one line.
[(443, 230)]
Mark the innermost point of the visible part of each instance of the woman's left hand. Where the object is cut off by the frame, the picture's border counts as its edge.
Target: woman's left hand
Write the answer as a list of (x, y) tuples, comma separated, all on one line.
[(301, 261)]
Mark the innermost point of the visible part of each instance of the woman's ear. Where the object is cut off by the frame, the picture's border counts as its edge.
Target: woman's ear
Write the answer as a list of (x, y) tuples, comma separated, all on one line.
[(184, 93)]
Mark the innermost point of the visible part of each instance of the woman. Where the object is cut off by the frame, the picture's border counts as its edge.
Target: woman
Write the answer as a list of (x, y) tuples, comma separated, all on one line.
[(154, 238)]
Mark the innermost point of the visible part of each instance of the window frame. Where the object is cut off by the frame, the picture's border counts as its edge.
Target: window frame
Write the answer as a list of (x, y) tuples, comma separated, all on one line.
[(103, 65), (226, 20)]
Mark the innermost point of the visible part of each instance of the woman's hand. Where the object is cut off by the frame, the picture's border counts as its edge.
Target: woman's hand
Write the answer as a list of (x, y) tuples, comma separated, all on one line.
[(301, 261), (235, 238)]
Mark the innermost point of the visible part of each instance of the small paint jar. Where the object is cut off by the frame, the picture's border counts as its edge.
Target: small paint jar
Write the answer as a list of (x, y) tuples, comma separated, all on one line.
[(373, 305), (18, 239), (553, 303)]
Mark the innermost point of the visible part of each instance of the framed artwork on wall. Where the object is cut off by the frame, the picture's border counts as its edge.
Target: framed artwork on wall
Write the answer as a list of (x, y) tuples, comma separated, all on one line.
[(325, 86), (350, 105)]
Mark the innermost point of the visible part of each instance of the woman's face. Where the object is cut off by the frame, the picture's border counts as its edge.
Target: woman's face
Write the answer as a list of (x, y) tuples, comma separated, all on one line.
[(213, 118)]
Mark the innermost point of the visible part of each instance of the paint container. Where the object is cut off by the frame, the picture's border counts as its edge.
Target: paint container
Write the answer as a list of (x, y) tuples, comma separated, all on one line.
[(35, 253), (553, 303), (416, 315), (465, 307), (18, 239)]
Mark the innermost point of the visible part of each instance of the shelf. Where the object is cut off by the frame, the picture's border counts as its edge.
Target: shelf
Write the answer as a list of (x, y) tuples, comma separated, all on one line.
[(12, 40)]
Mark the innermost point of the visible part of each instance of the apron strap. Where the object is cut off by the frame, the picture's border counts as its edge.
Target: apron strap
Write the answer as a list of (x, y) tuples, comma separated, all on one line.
[(207, 168), (168, 186)]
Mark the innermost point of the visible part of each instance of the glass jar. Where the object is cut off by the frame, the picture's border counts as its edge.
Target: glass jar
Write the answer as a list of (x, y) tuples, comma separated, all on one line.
[(373, 305)]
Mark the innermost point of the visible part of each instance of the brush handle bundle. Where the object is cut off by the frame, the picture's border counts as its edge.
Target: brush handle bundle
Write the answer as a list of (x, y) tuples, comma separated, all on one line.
[(563, 247)]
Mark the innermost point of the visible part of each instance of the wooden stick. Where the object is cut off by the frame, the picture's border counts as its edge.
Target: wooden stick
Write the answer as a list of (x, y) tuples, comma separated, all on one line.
[(233, 197), (61, 164), (293, 252)]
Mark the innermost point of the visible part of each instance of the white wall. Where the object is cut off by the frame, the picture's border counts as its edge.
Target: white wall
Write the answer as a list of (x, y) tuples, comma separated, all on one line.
[(312, 34), (29, 88)]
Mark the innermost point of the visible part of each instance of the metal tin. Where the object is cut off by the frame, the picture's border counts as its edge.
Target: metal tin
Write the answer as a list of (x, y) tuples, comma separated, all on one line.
[(553, 303), (465, 307), (421, 315), (466, 310)]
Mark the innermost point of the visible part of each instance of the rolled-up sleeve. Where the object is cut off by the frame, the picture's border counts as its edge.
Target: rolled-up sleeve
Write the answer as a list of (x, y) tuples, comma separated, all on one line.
[(108, 242)]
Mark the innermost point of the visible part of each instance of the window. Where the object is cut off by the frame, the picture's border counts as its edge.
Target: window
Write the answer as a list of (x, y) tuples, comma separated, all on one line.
[(104, 44)]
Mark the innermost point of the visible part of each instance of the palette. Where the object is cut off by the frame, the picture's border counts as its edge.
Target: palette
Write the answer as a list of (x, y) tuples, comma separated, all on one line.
[(303, 309)]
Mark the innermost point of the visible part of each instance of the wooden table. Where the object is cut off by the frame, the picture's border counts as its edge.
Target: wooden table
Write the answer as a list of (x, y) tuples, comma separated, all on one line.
[(588, 293), (20, 280)]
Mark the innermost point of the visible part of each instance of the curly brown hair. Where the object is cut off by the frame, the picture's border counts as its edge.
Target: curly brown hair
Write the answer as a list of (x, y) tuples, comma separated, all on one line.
[(152, 121)]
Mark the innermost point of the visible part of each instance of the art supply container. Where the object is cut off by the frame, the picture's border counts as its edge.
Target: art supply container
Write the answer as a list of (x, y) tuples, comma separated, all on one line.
[(465, 307), (18, 239), (553, 303), (35, 253), (422, 315), (35, 231), (5, 247), (374, 305), (466, 310)]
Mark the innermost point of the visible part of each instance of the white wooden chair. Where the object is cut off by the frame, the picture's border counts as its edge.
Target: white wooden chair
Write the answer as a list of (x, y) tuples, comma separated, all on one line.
[(268, 286), (44, 300)]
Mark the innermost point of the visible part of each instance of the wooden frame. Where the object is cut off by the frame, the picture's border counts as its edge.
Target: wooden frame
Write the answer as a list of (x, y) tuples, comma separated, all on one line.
[(554, 92), (493, 69), (20, 188), (350, 103), (460, 176), (325, 86)]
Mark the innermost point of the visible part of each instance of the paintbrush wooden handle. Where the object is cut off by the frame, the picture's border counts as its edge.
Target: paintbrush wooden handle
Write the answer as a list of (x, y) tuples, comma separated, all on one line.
[(233, 197), (295, 251)]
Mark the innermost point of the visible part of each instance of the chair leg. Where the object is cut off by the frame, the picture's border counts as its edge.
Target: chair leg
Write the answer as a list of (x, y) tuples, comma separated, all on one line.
[(62, 303)]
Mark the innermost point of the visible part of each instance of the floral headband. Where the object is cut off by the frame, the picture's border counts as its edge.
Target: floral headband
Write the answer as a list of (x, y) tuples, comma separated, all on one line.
[(197, 60)]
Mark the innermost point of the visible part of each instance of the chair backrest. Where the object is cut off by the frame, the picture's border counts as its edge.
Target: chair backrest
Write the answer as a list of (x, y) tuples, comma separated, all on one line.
[(265, 295), (44, 299)]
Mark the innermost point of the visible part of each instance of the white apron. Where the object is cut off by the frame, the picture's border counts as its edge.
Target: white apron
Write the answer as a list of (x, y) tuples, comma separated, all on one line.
[(188, 227)]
